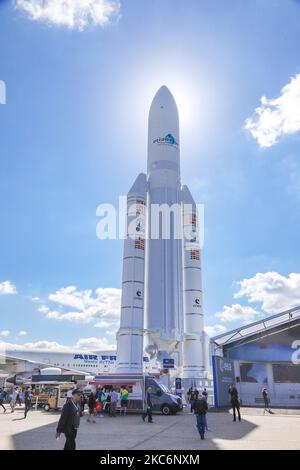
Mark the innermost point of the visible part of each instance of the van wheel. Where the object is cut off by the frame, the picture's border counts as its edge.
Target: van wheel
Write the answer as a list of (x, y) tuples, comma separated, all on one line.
[(166, 410), (47, 408)]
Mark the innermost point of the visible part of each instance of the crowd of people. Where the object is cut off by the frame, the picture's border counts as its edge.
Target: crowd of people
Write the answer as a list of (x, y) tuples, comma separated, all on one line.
[(105, 400), (102, 401), (17, 396)]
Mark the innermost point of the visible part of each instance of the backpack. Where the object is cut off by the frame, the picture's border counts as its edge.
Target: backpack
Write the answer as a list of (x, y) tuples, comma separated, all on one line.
[(98, 406), (200, 407)]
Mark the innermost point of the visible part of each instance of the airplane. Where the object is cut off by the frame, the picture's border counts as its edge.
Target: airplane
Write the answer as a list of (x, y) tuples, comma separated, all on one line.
[(22, 364)]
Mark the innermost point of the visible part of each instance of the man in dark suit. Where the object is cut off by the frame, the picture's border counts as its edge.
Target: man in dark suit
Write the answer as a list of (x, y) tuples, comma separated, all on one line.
[(70, 420)]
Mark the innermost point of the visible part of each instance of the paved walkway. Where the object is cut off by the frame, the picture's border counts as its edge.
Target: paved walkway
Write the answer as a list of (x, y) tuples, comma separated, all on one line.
[(256, 431)]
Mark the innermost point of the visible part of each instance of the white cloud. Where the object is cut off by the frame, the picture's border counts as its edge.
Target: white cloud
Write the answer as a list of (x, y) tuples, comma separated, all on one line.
[(237, 312), (111, 332), (4, 333), (22, 333), (102, 324), (41, 345), (101, 307), (94, 344), (214, 330), (275, 292), (83, 344), (276, 117), (43, 309), (74, 14), (6, 287)]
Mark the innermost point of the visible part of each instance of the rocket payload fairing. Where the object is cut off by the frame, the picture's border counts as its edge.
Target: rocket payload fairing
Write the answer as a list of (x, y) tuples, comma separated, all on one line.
[(161, 307)]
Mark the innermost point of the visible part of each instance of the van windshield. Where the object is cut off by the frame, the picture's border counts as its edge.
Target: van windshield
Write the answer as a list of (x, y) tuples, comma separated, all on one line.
[(164, 388)]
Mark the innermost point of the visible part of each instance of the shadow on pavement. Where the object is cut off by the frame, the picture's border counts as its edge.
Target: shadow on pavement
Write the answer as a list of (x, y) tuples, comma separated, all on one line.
[(130, 433)]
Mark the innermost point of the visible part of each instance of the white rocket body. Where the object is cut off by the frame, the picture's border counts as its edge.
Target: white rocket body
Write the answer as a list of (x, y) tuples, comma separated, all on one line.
[(193, 346), (130, 334), (163, 269), (166, 320)]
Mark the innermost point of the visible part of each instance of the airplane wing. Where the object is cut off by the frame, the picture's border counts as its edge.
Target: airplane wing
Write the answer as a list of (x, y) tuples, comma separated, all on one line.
[(17, 365)]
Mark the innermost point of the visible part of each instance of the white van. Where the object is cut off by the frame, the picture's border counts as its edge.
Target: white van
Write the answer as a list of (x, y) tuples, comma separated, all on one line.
[(163, 400)]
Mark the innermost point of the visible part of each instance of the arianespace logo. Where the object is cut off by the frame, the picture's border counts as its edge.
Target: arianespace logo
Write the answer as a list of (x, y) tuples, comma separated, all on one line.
[(169, 139)]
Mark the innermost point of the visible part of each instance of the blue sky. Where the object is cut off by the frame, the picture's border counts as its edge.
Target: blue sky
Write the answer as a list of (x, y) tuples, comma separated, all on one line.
[(73, 134)]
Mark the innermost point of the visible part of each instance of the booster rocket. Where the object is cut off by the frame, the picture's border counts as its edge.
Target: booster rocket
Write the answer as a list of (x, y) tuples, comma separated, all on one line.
[(161, 307)]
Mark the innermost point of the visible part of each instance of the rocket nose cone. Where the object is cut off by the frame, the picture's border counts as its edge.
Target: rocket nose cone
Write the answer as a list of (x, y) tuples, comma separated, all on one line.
[(163, 130), (139, 186), (164, 91), (187, 197), (163, 98)]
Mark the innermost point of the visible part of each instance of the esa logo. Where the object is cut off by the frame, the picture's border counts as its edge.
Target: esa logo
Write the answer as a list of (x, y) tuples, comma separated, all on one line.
[(90, 357), (139, 294), (225, 366)]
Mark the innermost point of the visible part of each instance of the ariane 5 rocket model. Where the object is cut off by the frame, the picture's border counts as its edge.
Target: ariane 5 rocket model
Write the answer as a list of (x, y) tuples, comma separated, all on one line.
[(161, 307)]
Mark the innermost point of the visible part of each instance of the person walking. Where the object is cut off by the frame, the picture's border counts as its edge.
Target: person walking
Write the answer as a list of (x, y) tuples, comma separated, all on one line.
[(148, 406), (2, 398), (83, 402), (107, 403), (14, 399), (113, 403), (188, 395), (102, 398), (192, 399), (235, 403), (92, 407), (200, 409), (205, 396), (99, 394), (194, 396), (27, 400), (19, 397), (266, 399), (124, 401), (70, 420)]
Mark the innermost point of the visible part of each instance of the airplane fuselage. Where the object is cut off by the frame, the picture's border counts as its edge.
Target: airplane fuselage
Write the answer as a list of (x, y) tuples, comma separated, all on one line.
[(91, 363)]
